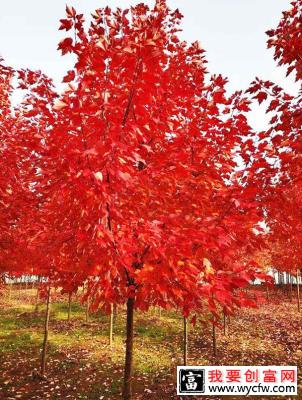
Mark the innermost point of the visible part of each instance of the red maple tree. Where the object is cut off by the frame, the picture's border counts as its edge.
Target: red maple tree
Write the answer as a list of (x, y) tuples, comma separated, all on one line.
[(131, 171)]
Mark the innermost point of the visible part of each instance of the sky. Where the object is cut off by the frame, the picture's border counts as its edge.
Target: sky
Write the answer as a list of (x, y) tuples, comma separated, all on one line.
[(231, 31)]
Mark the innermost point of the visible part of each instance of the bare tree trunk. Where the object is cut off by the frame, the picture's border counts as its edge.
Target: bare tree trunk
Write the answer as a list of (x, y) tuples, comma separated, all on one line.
[(111, 325), (114, 313), (46, 326), (267, 293), (298, 291), (214, 339), (9, 291), (69, 306), (283, 282), (287, 284), (185, 341), (38, 294), (37, 300), (291, 288), (87, 309), (127, 391)]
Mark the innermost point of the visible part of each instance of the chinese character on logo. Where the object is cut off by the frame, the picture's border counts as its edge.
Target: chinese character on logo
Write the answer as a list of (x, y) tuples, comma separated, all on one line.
[(215, 375), (233, 375), (251, 376), (287, 375), (269, 376), (190, 378)]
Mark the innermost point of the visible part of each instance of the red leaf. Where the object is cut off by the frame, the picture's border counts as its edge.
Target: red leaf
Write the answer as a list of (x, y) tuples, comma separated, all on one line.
[(70, 11), (261, 97), (66, 46), (69, 77), (66, 24)]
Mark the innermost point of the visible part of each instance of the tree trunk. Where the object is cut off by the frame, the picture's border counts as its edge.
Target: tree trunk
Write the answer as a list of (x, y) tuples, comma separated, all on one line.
[(287, 285), (291, 288), (44, 349), (185, 341), (214, 339), (87, 309), (69, 306), (9, 291), (37, 300), (267, 293), (39, 281), (127, 392), (114, 314), (298, 291), (111, 325)]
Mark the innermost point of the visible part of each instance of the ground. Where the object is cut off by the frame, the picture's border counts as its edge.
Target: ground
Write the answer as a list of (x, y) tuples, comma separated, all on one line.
[(82, 365)]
